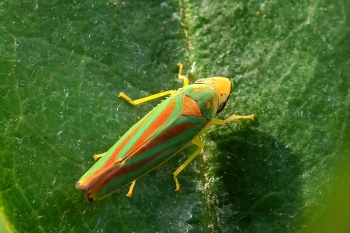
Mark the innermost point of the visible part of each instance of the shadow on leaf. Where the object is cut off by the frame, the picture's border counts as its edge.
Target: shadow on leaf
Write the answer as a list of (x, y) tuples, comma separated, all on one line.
[(259, 182)]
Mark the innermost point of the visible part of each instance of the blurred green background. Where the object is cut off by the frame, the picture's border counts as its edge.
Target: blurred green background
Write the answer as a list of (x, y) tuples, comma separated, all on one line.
[(63, 64)]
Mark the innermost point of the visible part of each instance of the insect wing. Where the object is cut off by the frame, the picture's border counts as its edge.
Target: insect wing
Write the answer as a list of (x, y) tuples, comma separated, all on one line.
[(148, 144)]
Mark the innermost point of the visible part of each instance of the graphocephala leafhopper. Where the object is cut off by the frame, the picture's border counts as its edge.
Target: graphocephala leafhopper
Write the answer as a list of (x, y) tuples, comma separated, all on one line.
[(168, 128)]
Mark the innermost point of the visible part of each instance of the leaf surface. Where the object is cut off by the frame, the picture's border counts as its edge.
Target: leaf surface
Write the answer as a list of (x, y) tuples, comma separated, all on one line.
[(63, 65)]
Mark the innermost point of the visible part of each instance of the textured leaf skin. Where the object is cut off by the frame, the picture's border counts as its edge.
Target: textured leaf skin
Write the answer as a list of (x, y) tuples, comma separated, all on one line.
[(290, 63)]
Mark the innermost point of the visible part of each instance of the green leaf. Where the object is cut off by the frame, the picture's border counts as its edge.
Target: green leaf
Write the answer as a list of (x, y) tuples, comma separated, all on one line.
[(63, 65)]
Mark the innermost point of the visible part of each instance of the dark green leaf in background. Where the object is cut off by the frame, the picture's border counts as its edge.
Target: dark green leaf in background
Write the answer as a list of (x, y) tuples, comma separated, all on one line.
[(63, 64)]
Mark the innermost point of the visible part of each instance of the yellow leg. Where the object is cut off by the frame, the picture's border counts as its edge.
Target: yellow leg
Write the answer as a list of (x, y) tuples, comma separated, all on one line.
[(231, 118), (200, 145), (131, 188), (180, 76), (96, 157), (155, 96), (148, 98)]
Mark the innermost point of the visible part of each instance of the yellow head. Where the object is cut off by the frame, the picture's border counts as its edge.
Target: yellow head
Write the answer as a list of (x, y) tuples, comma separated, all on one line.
[(222, 86)]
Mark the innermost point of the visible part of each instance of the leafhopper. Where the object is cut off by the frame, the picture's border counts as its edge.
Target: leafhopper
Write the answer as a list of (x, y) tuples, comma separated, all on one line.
[(168, 128)]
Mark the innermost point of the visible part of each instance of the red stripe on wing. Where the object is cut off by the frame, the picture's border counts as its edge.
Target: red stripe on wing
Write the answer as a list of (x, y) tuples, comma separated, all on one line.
[(118, 169)]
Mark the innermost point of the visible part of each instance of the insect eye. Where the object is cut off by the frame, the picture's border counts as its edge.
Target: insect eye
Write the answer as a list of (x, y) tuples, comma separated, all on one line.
[(222, 105)]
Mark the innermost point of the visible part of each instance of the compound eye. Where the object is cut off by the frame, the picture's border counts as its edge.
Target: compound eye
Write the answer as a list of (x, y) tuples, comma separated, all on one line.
[(222, 105)]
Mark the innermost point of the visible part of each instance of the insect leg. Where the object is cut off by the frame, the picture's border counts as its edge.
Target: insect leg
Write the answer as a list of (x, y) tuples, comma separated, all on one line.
[(180, 76), (96, 157), (158, 95), (148, 98), (200, 145), (131, 188), (231, 118)]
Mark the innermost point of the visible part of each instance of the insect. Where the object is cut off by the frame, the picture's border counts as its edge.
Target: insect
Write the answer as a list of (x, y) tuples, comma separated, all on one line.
[(168, 128)]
